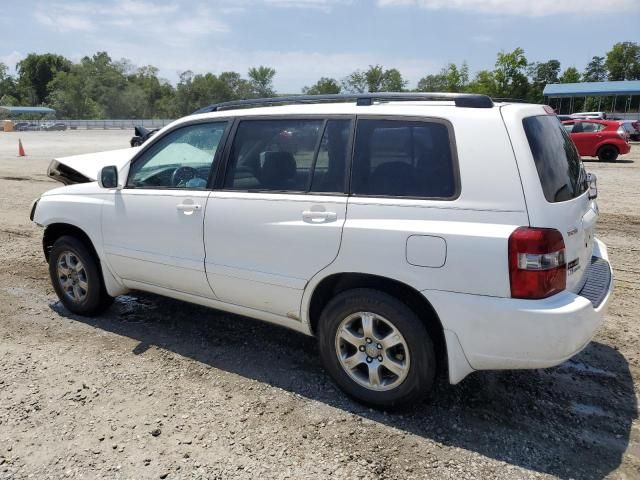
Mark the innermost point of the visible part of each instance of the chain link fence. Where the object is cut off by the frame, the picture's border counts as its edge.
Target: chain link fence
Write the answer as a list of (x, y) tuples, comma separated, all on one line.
[(114, 124)]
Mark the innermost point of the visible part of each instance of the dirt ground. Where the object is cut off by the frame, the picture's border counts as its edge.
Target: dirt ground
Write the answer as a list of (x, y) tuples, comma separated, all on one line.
[(157, 388)]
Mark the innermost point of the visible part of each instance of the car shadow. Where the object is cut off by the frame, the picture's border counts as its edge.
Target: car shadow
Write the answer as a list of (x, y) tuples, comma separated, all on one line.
[(573, 421), (595, 160)]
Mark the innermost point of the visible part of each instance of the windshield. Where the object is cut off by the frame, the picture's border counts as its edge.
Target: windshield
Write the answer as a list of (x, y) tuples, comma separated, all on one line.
[(557, 160)]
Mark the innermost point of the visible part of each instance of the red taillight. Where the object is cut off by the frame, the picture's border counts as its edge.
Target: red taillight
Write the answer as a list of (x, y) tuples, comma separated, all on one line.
[(537, 267)]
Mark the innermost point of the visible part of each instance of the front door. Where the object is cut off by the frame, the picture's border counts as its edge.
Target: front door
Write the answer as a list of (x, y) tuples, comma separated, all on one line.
[(153, 229), (278, 219)]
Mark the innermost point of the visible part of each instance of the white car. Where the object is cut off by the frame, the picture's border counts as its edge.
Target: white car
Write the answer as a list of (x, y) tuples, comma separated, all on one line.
[(412, 234)]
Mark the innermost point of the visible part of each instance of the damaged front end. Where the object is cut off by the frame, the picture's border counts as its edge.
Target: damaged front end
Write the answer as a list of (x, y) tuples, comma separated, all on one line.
[(86, 167), (65, 174)]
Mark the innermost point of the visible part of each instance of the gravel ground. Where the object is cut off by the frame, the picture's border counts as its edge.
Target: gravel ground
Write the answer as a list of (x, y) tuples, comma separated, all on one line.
[(157, 388)]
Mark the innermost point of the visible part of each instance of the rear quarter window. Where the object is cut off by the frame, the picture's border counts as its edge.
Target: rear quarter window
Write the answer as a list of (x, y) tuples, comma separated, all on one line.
[(404, 158), (557, 160)]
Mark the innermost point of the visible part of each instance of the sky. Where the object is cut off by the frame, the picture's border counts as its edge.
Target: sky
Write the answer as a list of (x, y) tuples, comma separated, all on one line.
[(307, 39)]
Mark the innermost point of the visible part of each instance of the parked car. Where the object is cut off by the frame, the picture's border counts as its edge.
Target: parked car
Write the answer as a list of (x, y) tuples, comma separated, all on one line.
[(141, 135), (371, 223), (594, 115), (604, 139), (53, 126), (26, 126), (633, 129), (562, 118)]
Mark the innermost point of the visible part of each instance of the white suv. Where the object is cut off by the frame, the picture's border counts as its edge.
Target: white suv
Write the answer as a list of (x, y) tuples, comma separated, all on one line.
[(412, 234)]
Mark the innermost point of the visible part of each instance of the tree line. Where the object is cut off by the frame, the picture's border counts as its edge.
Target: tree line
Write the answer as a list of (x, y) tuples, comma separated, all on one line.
[(99, 87)]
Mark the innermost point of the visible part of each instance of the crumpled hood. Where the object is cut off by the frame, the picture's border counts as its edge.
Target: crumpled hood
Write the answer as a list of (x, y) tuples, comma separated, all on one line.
[(85, 168)]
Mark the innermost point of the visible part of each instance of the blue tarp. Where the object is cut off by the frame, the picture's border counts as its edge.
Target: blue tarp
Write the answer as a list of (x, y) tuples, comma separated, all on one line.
[(592, 89)]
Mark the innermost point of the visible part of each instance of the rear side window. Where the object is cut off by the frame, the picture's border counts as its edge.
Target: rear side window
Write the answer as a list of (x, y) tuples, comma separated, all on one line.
[(400, 158), (557, 160)]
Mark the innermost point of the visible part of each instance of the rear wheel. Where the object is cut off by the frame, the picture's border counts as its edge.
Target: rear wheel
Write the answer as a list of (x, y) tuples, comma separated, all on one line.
[(608, 153), (376, 348), (76, 277)]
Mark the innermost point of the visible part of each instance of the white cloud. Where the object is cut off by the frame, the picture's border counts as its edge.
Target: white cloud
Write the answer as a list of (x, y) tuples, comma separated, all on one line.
[(535, 8), (322, 5), (11, 59), (483, 38), (64, 22), (141, 18), (295, 69)]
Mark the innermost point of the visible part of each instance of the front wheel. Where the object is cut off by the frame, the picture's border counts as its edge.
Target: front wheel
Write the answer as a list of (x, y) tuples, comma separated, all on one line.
[(608, 153), (376, 348), (76, 278)]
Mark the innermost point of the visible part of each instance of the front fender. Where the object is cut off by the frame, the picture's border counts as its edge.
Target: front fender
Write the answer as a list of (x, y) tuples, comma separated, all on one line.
[(83, 212)]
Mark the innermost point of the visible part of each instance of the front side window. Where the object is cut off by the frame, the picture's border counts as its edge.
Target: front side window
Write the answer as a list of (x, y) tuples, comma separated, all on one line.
[(294, 155), (557, 160), (181, 159), (403, 159)]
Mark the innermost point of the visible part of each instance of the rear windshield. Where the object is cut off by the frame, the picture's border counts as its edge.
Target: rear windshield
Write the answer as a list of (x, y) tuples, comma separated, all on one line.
[(557, 160)]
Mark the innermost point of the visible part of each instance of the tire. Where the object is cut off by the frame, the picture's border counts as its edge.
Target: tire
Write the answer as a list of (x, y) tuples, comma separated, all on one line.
[(76, 277), (412, 359), (608, 153)]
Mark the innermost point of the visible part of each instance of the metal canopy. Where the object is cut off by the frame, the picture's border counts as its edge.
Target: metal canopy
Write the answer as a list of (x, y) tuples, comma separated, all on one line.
[(17, 110), (592, 89)]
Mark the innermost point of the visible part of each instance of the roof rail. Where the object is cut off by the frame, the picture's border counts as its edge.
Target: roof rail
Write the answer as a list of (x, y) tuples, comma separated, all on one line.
[(467, 100), (510, 100)]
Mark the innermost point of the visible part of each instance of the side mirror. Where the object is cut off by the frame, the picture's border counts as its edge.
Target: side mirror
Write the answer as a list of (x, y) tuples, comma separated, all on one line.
[(108, 177), (592, 182)]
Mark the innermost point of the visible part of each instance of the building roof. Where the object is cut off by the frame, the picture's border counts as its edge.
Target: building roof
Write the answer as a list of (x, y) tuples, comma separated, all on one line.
[(592, 89), (16, 110)]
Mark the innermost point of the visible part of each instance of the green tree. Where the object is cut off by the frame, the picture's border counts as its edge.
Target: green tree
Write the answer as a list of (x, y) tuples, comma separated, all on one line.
[(433, 83), (484, 83), (623, 61), (324, 86), (261, 79), (8, 90), (570, 75), (34, 74), (70, 97), (450, 79), (541, 74), (596, 70), (374, 79), (510, 74)]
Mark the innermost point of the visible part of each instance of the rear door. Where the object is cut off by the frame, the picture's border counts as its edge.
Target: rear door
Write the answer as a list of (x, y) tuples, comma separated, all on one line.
[(277, 218), (555, 186)]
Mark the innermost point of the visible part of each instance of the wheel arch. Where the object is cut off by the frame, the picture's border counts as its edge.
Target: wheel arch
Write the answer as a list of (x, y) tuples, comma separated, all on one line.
[(336, 283), (607, 144), (56, 230)]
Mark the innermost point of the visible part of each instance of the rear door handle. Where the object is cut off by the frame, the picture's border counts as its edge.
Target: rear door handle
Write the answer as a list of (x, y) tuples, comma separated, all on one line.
[(188, 208), (319, 217)]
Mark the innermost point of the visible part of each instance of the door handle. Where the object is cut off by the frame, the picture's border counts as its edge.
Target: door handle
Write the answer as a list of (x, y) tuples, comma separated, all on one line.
[(319, 217), (188, 208)]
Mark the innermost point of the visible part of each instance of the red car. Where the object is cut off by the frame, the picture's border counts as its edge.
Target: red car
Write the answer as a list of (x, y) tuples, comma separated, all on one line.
[(604, 139)]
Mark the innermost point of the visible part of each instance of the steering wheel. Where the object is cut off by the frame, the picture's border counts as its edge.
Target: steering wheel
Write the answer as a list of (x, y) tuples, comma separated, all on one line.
[(182, 175)]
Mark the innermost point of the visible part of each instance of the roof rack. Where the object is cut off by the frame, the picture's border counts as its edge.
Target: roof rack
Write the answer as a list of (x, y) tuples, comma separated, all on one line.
[(510, 100), (467, 100)]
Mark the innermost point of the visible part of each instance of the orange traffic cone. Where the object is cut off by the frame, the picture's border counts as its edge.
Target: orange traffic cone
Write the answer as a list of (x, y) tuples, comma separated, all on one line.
[(21, 149)]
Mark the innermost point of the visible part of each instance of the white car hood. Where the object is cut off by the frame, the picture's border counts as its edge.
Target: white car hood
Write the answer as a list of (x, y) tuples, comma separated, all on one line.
[(86, 167)]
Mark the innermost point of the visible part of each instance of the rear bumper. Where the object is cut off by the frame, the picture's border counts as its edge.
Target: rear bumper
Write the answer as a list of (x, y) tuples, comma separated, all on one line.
[(624, 149), (505, 333)]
